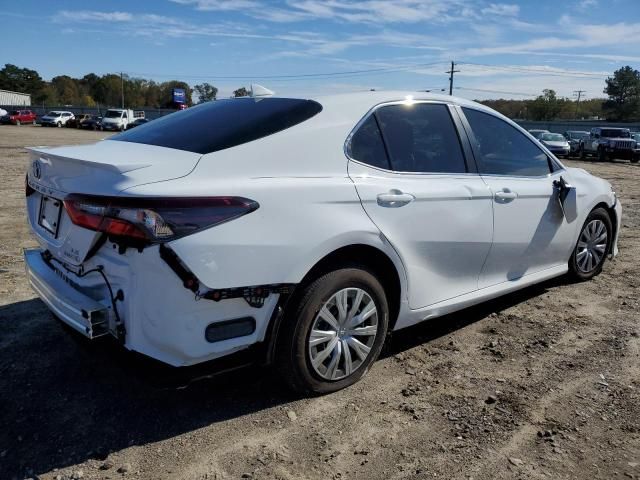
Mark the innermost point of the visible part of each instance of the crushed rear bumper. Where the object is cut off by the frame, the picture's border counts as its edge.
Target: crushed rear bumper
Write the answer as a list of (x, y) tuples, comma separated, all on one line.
[(73, 307)]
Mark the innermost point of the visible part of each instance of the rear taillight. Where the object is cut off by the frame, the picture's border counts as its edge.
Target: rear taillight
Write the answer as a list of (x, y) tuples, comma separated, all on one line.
[(152, 219)]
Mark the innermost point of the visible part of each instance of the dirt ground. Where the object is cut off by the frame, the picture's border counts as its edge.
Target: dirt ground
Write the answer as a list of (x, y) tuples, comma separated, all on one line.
[(544, 383)]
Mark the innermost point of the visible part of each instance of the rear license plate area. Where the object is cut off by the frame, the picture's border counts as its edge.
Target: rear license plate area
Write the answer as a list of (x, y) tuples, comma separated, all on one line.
[(49, 214)]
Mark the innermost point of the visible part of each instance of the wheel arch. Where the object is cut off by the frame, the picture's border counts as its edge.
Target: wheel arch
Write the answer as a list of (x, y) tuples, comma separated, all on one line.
[(370, 257), (389, 273), (611, 211)]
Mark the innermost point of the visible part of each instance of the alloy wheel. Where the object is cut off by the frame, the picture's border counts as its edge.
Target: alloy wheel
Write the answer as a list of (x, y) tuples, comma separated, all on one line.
[(343, 333), (592, 246)]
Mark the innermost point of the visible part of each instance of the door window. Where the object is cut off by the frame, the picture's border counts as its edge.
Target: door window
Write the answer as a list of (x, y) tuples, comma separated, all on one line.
[(421, 137), (503, 150)]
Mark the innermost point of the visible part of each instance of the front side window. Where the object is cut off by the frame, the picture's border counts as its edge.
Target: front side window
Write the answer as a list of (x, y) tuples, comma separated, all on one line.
[(502, 149), (421, 137)]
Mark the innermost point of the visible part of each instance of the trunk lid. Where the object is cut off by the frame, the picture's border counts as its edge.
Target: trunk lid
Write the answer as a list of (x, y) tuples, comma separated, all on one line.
[(104, 168)]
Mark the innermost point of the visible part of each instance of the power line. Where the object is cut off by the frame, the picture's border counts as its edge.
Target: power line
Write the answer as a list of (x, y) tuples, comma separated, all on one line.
[(296, 76), (565, 73), (496, 91)]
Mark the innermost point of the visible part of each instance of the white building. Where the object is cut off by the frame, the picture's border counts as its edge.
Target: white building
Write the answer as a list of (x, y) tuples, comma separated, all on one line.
[(8, 97)]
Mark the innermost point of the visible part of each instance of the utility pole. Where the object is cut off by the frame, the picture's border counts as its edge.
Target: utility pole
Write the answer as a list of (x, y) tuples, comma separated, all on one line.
[(122, 87), (579, 93), (451, 72)]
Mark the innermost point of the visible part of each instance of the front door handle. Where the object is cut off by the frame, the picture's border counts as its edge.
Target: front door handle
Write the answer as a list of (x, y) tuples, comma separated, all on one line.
[(505, 196), (394, 199)]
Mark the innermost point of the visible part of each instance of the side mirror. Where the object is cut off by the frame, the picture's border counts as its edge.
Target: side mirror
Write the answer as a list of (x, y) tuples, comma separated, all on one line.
[(566, 195)]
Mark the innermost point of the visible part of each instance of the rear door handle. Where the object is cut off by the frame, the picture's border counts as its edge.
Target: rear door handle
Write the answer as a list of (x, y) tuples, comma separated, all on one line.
[(394, 199), (505, 195)]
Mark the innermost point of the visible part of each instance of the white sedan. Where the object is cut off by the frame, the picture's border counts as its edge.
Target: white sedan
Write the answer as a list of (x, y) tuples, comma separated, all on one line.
[(306, 228)]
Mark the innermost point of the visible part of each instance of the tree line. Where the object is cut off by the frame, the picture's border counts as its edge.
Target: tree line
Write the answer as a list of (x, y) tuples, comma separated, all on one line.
[(622, 102), (622, 89), (92, 90)]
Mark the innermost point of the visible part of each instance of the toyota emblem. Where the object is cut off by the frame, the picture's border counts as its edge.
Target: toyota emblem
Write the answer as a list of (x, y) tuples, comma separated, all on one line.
[(36, 169)]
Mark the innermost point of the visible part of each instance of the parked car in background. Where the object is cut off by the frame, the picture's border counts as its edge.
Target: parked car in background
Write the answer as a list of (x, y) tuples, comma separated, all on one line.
[(609, 143), (119, 118), (76, 120), (311, 262), (574, 137), (536, 132), (18, 117), (93, 122), (56, 118), (556, 143), (138, 121)]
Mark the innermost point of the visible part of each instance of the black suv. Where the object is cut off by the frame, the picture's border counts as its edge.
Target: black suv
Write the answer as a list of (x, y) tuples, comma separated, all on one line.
[(609, 143)]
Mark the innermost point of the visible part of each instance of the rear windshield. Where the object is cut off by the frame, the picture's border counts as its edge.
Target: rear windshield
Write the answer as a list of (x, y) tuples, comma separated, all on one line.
[(221, 124)]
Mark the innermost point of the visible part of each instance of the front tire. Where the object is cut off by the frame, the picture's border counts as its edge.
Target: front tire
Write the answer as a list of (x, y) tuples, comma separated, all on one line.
[(602, 155), (333, 332), (59, 124), (594, 243)]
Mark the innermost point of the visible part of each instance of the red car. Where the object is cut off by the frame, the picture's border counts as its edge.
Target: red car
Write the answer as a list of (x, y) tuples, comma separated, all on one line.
[(18, 117)]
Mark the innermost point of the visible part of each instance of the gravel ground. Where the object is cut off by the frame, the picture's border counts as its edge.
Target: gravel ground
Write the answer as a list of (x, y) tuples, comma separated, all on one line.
[(544, 383)]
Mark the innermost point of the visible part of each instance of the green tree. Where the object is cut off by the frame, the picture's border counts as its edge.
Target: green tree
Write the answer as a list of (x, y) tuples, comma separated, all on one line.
[(205, 92), (547, 106), (241, 92), (166, 89), (21, 80), (66, 89), (624, 95)]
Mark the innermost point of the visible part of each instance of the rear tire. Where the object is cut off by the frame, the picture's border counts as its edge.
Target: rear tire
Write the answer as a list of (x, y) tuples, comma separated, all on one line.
[(348, 313), (18, 123), (59, 124), (593, 246)]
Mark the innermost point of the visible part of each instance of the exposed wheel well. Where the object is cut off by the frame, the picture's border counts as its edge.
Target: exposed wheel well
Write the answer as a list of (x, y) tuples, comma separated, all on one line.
[(370, 257), (612, 216)]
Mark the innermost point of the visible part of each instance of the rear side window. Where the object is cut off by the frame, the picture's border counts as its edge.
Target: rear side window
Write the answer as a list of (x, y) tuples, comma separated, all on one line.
[(222, 124), (421, 137), (366, 145), (503, 150)]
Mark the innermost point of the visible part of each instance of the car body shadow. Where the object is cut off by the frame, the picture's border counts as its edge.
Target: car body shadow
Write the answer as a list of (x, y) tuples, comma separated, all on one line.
[(64, 400)]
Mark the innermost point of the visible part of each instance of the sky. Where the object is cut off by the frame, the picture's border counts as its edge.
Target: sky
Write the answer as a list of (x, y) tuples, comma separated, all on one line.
[(511, 49)]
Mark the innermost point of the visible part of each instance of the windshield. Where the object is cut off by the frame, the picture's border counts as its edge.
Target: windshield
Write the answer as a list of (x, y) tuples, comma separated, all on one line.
[(610, 133), (113, 114), (553, 137), (53, 114), (221, 124)]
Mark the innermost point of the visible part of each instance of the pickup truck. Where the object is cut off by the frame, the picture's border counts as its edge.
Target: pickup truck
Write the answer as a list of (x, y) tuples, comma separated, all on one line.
[(119, 118), (18, 117), (609, 143)]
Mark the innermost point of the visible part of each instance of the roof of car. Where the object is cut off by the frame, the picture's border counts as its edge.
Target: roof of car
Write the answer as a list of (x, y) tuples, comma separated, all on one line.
[(351, 107), (368, 99)]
